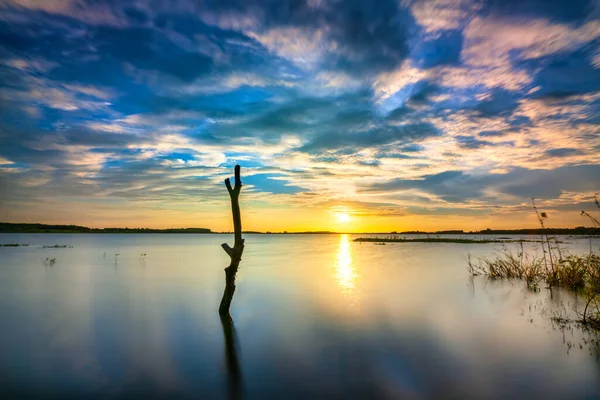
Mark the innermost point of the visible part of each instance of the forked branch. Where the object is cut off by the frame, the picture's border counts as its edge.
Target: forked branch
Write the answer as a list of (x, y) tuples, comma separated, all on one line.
[(234, 253)]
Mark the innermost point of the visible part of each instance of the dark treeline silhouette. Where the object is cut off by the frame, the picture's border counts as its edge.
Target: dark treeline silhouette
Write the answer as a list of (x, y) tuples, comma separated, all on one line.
[(6, 227), (580, 230)]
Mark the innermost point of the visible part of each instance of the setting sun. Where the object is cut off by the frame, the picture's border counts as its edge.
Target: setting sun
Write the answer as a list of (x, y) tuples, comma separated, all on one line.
[(343, 217)]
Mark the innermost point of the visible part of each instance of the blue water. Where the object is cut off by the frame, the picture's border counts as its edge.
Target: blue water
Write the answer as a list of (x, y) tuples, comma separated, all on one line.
[(314, 316)]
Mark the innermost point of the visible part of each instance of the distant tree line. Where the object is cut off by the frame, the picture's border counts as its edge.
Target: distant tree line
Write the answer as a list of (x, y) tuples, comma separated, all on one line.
[(6, 227)]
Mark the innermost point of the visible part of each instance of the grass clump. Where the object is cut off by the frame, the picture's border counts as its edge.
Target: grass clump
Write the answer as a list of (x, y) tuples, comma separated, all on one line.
[(577, 273), (556, 267), (510, 265)]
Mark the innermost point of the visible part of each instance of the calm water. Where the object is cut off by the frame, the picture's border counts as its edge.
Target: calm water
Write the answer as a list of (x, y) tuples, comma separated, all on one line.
[(315, 316)]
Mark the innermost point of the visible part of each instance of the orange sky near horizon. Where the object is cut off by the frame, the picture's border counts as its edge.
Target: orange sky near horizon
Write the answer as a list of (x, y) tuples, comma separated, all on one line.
[(293, 219)]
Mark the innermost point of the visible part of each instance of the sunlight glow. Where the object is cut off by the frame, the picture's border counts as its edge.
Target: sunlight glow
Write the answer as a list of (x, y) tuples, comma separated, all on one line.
[(345, 272), (343, 217)]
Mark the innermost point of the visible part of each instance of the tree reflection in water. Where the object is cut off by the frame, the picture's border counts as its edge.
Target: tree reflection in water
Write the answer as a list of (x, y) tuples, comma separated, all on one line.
[(234, 375)]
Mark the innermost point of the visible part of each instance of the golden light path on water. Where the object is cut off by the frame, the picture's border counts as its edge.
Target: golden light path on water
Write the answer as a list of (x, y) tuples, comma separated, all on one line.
[(345, 271)]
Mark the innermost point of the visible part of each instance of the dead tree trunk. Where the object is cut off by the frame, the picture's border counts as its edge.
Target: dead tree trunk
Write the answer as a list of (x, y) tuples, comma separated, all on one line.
[(234, 253)]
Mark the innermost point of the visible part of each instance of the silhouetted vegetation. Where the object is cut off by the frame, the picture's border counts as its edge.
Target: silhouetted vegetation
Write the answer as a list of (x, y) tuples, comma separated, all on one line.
[(13, 245), (398, 239), (580, 230), (555, 267), (6, 227), (510, 266)]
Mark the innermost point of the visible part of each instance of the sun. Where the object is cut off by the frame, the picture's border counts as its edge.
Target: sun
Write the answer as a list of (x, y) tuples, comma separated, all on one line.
[(343, 217)]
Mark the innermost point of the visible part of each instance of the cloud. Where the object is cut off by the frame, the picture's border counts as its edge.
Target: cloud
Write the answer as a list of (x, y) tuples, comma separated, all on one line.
[(457, 186), (490, 41), (565, 74), (442, 15), (470, 142), (563, 11), (443, 49), (353, 36), (408, 105), (562, 152), (376, 136)]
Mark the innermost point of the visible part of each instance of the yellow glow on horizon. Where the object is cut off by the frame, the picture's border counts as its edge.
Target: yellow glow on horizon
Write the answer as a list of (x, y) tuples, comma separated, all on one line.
[(275, 219)]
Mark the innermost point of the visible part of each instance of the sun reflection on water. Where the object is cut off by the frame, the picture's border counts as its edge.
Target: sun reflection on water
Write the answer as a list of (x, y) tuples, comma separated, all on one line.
[(345, 271)]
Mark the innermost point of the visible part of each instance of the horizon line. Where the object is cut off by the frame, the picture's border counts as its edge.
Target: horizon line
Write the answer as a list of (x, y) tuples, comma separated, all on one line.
[(201, 230)]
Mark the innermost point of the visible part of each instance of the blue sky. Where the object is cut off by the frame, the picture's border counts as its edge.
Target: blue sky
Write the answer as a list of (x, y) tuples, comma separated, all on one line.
[(403, 114)]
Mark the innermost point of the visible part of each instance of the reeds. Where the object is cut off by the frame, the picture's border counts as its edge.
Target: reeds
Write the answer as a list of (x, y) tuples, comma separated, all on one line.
[(577, 273), (556, 267), (510, 265)]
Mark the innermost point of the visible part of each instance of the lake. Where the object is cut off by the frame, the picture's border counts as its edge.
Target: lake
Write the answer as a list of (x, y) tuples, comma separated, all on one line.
[(314, 316)]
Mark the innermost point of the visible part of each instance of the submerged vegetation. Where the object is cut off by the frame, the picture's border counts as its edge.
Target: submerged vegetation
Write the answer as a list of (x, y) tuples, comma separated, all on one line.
[(49, 261), (556, 267), (398, 239)]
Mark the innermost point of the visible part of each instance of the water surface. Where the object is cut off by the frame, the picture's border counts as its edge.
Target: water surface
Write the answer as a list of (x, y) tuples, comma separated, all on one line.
[(314, 316)]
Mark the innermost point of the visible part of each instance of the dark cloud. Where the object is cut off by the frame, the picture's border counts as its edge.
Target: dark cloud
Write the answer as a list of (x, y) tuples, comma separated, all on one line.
[(500, 102), (147, 49), (421, 93), (442, 50), (381, 135), (136, 15), (452, 186), (565, 74), (371, 36), (413, 148), (491, 134), (457, 186), (562, 152), (400, 114), (564, 11), (297, 114), (471, 142), (33, 147)]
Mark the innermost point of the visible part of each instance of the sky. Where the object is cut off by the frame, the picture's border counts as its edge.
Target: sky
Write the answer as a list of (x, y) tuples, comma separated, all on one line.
[(355, 116)]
